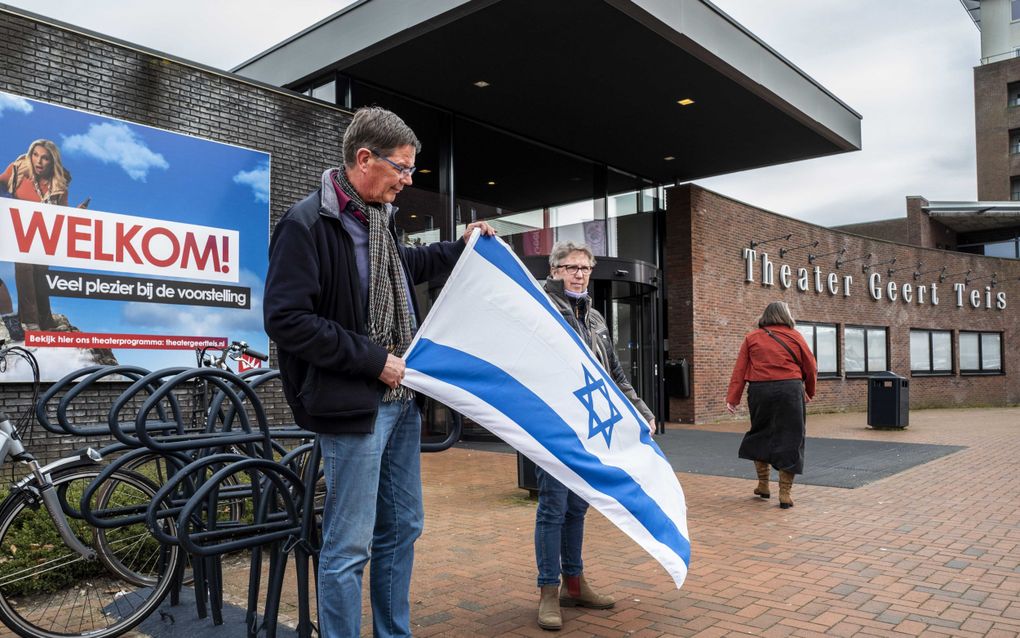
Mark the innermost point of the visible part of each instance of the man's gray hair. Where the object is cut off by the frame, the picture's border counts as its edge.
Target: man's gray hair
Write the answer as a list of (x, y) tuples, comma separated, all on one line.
[(377, 129), (561, 249)]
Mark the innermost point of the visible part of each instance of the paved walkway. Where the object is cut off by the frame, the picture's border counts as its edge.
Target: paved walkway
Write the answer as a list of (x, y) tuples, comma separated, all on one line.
[(930, 551)]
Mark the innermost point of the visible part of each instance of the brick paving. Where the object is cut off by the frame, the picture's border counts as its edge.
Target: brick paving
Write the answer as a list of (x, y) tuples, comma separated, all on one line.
[(930, 551)]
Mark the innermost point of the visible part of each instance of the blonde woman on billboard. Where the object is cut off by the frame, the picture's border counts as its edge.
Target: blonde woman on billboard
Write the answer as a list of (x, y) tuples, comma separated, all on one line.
[(37, 176)]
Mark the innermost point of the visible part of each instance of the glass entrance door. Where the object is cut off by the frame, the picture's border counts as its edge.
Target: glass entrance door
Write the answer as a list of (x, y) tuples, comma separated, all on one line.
[(630, 311)]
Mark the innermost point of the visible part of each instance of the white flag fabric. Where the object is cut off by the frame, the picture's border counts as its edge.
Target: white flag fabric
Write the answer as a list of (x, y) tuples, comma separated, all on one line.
[(496, 349)]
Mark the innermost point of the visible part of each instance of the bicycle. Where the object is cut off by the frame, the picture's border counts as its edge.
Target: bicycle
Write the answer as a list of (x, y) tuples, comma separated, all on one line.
[(59, 576)]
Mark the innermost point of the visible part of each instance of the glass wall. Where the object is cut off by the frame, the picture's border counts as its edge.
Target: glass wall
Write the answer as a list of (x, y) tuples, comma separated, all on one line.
[(1009, 248), (533, 194), (630, 226)]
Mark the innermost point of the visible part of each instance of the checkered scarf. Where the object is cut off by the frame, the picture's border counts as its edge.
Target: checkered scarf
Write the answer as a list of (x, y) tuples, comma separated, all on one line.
[(389, 317)]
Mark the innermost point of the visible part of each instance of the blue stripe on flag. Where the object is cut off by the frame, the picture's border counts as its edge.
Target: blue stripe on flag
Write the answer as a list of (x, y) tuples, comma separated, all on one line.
[(493, 252), (522, 406)]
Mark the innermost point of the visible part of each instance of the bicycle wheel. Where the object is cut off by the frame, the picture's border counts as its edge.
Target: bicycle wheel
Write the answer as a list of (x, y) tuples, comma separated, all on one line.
[(49, 591)]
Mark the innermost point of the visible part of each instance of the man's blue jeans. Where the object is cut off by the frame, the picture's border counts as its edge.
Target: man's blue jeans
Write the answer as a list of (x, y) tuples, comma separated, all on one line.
[(559, 530), (373, 509)]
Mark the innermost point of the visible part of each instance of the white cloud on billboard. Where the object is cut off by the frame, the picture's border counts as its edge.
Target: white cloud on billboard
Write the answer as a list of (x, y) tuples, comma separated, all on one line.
[(54, 363), (116, 144), (258, 180), (14, 103)]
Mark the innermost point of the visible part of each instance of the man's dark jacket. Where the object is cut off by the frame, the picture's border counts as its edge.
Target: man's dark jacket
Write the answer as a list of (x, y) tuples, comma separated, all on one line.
[(313, 311)]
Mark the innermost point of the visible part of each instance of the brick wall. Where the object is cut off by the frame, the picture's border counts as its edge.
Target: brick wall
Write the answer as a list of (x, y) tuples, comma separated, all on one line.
[(724, 307), (994, 118), (62, 67), (889, 229)]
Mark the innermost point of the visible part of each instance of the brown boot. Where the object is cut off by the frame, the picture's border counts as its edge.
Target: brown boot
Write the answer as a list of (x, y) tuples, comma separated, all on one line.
[(549, 616), (763, 470), (785, 483), (576, 592)]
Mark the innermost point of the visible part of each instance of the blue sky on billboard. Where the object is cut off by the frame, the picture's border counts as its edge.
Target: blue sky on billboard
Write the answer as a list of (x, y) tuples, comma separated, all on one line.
[(906, 66)]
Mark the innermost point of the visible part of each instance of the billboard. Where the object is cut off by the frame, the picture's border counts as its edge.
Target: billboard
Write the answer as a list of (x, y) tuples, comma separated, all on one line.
[(123, 243)]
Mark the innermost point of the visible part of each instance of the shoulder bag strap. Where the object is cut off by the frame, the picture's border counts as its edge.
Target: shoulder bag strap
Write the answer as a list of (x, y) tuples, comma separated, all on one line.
[(783, 343)]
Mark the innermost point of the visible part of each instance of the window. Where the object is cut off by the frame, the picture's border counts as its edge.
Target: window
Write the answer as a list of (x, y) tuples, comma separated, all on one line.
[(821, 337), (1013, 94), (323, 88), (980, 352), (1014, 141), (1014, 6), (1008, 248), (1014, 188), (864, 350), (931, 352)]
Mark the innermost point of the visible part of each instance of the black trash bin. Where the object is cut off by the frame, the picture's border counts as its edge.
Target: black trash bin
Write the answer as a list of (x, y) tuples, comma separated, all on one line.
[(678, 379), (888, 400), (526, 479)]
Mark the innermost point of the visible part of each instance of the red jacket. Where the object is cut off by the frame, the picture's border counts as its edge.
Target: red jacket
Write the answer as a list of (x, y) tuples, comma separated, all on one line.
[(761, 358)]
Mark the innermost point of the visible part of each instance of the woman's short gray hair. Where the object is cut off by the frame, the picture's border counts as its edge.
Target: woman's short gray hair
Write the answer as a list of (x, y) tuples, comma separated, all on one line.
[(561, 249), (377, 129), (777, 313)]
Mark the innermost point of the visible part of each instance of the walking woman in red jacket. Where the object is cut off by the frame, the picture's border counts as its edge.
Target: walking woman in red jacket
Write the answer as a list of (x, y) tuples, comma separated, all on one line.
[(781, 371)]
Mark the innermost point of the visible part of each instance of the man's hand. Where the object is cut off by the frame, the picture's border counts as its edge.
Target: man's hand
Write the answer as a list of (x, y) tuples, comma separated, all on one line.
[(393, 372), (484, 226), (732, 408), (651, 425)]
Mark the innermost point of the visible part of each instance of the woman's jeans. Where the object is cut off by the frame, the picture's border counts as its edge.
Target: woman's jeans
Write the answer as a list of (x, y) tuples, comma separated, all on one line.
[(373, 509), (559, 530)]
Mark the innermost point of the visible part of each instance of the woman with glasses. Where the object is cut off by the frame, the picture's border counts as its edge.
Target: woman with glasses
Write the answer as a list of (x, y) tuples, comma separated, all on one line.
[(559, 522)]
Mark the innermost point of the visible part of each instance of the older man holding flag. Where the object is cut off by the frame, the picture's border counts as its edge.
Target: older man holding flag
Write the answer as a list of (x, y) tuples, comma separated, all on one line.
[(542, 388)]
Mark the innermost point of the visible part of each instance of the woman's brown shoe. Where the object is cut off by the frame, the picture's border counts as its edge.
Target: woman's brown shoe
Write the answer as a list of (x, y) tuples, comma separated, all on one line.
[(763, 470), (549, 616), (577, 593), (785, 484)]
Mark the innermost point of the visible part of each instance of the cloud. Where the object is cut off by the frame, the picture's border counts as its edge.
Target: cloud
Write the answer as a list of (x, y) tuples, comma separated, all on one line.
[(14, 103), (116, 144), (258, 180), (907, 68), (54, 363)]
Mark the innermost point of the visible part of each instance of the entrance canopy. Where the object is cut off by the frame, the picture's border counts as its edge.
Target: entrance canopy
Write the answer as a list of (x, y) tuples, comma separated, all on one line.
[(606, 80), (969, 217)]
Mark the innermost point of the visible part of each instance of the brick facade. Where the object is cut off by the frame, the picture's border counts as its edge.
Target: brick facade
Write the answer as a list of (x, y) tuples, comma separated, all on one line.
[(63, 66), (994, 118), (705, 274)]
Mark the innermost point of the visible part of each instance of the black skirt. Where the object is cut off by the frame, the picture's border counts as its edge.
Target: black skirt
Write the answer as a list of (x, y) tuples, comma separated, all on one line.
[(777, 425)]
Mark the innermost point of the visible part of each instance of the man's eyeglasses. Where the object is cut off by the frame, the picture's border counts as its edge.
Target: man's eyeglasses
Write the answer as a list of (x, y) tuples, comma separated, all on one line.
[(405, 171), (574, 269)]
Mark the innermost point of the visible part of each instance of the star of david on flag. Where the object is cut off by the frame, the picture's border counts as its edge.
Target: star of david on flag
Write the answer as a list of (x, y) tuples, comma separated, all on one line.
[(587, 396), (524, 374)]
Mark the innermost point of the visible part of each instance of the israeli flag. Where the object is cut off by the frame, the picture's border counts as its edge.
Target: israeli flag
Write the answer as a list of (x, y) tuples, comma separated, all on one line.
[(496, 349)]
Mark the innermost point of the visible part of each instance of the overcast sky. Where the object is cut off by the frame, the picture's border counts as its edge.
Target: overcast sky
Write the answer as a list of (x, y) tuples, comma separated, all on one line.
[(905, 65)]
